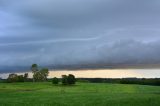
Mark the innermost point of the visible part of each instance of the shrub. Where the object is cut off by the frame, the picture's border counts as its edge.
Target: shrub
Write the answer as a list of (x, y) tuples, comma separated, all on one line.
[(64, 79), (71, 79), (68, 80), (55, 80), (20, 78)]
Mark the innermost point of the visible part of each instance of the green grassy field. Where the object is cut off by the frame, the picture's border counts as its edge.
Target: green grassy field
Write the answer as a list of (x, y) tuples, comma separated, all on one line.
[(81, 94)]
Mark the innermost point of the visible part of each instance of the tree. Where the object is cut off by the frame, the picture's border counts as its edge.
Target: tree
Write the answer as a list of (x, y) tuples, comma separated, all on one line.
[(15, 78), (44, 72), (41, 75), (71, 79), (34, 69), (20, 78), (12, 78), (64, 80), (55, 80), (25, 76), (38, 76)]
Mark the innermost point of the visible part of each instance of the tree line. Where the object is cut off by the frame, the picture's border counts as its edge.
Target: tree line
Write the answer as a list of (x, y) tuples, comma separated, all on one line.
[(17, 78), (141, 81), (40, 75)]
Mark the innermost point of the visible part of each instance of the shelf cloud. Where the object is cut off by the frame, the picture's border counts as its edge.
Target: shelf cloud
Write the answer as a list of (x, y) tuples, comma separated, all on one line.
[(79, 32)]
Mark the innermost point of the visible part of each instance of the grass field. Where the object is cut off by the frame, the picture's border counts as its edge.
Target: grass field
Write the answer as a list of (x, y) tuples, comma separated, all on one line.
[(81, 94)]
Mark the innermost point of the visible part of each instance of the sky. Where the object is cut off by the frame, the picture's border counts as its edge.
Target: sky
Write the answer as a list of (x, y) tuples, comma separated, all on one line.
[(79, 32)]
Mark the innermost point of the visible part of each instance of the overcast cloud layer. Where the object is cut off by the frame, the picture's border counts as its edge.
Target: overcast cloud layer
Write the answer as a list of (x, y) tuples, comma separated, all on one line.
[(71, 32)]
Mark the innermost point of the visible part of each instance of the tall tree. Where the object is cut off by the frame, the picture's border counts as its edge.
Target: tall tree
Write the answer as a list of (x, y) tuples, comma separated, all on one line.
[(38, 76), (44, 72), (34, 69)]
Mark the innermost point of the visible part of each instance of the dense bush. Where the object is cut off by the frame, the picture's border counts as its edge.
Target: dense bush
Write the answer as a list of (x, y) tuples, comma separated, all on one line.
[(71, 79), (68, 80), (20, 78), (55, 80), (64, 80)]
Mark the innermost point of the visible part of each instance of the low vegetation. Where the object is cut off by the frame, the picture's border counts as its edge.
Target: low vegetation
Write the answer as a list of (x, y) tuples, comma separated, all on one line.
[(81, 94)]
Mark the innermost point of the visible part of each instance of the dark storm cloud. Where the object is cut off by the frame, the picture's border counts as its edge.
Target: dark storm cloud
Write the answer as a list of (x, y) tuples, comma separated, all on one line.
[(73, 32)]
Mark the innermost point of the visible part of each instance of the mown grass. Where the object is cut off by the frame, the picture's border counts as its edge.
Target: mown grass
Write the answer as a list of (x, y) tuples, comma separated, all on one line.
[(81, 94)]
